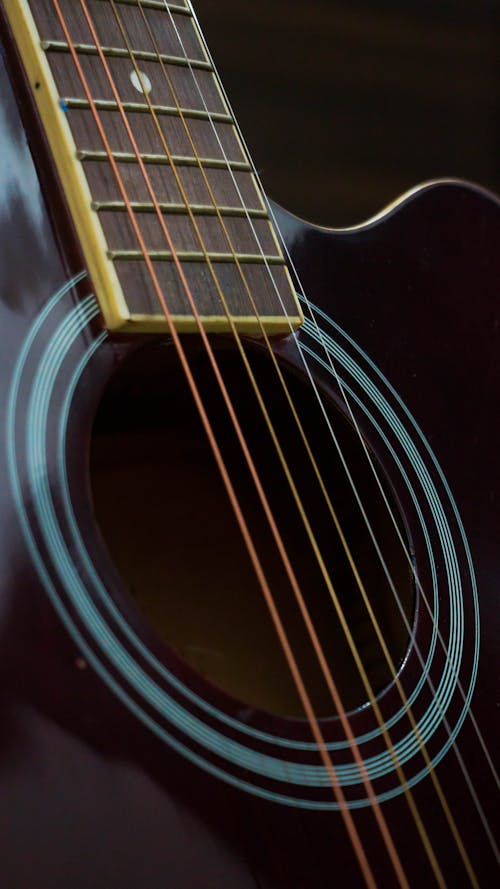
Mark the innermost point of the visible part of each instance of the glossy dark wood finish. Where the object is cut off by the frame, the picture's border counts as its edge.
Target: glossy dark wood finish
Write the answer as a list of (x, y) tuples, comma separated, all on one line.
[(90, 796)]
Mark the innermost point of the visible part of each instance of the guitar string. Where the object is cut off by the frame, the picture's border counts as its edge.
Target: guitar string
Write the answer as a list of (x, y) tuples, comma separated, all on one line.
[(139, 78), (394, 521), (138, 73), (316, 731), (380, 637), (269, 515), (172, 90), (330, 360), (186, 201), (178, 107), (345, 398), (438, 789)]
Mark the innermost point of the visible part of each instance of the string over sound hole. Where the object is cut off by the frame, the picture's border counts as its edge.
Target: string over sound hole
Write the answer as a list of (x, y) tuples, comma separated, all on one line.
[(170, 529)]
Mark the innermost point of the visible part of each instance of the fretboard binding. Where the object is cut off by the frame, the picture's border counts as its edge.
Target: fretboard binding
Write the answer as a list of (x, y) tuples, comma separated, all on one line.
[(179, 209), (194, 256), (177, 160), (157, 4), (121, 52), (141, 108)]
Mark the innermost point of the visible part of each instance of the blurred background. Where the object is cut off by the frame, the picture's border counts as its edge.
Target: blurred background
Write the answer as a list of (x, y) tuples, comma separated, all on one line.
[(345, 104)]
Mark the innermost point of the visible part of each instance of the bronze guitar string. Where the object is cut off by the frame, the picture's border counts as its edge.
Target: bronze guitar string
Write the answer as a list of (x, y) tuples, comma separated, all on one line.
[(316, 731), (372, 616), (373, 619), (345, 398), (319, 652), (339, 530), (382, 823), (393, 589), (138, 2), (247, 452)]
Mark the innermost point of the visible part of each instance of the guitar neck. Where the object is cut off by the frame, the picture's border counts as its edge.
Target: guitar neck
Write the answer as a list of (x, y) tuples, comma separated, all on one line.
[(163, 195)]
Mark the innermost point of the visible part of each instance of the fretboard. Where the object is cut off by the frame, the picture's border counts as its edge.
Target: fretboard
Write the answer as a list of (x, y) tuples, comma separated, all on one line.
[(161, 190)]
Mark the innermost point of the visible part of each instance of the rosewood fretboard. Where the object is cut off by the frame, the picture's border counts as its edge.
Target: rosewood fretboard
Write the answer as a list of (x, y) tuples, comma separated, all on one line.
[(200, 175)]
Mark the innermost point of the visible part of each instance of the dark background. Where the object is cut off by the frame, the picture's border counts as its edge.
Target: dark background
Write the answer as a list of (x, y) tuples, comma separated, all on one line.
[(345, 104)]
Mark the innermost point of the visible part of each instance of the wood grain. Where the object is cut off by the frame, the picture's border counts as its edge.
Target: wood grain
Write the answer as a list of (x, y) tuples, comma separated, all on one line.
[(183, 124)]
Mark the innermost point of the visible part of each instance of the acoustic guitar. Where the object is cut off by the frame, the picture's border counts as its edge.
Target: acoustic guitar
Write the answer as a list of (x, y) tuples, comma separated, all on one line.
[(250, 493)]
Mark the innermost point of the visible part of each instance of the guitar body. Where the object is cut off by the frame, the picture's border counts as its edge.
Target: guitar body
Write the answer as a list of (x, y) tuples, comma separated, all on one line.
[(120, 765)]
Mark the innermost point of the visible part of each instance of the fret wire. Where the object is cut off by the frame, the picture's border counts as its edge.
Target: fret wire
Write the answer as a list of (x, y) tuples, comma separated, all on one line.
[(158, 4), (127, 157), (171, 110), (122, 53), (204, 256), (180, 209), (194, 256), (117, 251)]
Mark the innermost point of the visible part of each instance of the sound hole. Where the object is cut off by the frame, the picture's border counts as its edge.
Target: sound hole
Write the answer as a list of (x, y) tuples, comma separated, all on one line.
[(167, 521)]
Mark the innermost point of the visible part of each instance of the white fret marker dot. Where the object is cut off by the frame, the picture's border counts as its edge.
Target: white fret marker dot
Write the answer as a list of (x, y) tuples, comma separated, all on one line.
[(141, 84)]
